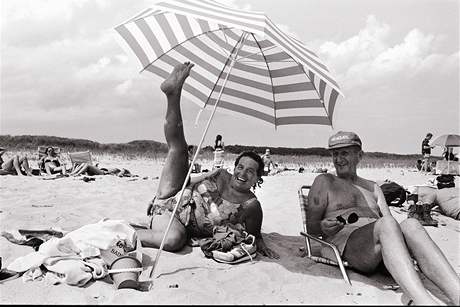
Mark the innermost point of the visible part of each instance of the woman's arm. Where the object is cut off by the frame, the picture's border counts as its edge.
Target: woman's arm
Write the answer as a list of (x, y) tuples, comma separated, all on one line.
[(253, 222)]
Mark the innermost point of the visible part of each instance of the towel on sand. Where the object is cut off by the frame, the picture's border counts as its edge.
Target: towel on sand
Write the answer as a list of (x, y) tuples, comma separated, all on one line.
[(77, 257)]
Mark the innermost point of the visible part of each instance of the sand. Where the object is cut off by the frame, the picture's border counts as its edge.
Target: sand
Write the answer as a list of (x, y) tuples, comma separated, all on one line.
[(69, 203)]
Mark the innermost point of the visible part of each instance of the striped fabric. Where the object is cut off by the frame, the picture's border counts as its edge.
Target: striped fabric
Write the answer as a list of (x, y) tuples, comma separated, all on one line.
[(275, 77)]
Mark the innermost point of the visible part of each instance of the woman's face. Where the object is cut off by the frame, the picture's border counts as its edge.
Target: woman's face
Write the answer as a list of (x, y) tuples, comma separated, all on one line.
[(245, 174), (50, 151)]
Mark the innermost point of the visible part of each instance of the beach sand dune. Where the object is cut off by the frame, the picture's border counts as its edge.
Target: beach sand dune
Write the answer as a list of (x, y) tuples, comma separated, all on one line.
[(69, 203)]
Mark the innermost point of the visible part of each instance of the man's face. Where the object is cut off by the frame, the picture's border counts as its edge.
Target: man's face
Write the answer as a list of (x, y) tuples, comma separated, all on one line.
[(346, 159), (429, 137)]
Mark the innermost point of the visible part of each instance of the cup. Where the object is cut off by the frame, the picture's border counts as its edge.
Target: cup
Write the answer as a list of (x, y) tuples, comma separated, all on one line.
[(125, 272)]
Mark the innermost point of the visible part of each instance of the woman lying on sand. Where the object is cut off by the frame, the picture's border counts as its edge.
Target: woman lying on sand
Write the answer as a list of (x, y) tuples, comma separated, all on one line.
[(213, 199)]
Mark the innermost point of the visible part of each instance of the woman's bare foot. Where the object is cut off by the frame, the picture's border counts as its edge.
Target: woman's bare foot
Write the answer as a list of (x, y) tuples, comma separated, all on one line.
[(176, 79)]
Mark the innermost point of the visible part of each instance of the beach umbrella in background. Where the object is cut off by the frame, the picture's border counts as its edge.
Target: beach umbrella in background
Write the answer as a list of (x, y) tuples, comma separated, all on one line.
[(447, 140), (243, 64)]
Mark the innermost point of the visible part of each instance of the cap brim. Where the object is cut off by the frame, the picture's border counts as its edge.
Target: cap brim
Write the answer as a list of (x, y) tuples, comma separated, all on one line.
[(342, 146)]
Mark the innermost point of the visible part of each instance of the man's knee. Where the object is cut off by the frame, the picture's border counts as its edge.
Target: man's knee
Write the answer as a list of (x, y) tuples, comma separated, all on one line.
[(387, 224), (411, 225)]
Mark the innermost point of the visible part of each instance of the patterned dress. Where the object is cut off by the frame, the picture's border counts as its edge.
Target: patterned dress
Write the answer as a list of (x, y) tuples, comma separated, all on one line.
[(202, 207)]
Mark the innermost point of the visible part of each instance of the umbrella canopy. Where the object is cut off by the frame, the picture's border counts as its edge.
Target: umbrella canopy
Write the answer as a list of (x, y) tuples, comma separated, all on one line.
[(242, 60), (447, 140)]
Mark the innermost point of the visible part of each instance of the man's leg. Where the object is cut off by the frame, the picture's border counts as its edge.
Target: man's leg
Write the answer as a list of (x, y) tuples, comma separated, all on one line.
[(431, 260), (383, 240)]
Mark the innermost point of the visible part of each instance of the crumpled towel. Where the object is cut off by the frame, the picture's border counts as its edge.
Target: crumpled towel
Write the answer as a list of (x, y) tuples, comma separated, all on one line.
[(75, 258)]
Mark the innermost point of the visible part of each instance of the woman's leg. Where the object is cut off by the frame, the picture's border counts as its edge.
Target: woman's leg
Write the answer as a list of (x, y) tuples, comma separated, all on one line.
[(383, 240), (176, 165), (176, 239), (24, 162), (431, 260), (79, 169)]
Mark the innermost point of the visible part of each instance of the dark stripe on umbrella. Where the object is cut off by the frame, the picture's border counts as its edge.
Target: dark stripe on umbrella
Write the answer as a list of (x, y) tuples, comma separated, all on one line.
[(154, 43), (132, 42)]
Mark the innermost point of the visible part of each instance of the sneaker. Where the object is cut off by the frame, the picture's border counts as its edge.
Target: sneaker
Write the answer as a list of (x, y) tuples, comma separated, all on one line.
[(243, 252)]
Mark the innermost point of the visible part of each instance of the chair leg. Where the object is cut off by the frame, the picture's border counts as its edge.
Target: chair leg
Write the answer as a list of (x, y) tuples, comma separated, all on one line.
[(341, 266)]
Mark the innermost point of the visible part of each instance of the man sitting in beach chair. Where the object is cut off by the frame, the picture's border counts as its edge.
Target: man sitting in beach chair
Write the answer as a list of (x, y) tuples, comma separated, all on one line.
[(376, 237)]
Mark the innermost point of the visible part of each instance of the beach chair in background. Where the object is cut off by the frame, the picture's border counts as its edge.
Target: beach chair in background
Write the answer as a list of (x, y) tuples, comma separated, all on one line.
[(303, 201), (42, 154), (78, 158)]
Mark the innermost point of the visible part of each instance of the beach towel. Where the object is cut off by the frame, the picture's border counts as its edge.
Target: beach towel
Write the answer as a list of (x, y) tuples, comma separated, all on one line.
[(79, 256)]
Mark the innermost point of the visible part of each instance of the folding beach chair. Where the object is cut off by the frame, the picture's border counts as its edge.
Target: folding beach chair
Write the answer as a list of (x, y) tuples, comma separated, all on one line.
[(42, 155), (77, 158), (303, 201)]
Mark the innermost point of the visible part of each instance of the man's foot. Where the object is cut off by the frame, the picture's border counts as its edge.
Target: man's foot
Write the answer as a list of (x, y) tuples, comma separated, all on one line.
[(176, 79)]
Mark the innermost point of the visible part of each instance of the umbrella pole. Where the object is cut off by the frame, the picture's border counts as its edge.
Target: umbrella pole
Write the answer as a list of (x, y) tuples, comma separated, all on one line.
[(233, 60)]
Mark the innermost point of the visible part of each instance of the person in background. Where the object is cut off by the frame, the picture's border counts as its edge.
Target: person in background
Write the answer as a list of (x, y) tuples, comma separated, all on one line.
[(268, 162), (15, 165), (219, 153), (52, 163), (196, 166), (426, 151), (448, 154)]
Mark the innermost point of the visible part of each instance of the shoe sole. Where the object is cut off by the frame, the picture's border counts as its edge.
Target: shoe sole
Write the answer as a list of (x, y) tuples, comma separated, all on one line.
[(239, 260)]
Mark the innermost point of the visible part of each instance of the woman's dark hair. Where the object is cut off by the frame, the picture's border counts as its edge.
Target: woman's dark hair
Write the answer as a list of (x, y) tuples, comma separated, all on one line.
[(254, 156), (51, 147), (217, 143)]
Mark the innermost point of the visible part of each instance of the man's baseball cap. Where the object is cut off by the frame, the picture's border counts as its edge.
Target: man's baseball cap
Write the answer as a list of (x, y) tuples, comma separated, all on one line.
[(344, 139)]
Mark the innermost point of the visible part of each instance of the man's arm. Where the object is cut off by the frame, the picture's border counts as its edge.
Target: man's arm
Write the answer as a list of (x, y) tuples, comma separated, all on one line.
[(253, 222), (381, 202)]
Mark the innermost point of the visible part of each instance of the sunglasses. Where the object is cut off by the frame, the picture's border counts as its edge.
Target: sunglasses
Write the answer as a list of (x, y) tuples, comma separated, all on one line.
[(352, 218)]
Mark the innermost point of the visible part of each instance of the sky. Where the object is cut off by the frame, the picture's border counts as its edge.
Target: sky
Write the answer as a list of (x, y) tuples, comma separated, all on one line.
[(63, 73)]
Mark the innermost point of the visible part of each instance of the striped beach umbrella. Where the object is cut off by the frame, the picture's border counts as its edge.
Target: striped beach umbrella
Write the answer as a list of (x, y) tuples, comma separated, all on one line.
[(242, 60), (243, 64)]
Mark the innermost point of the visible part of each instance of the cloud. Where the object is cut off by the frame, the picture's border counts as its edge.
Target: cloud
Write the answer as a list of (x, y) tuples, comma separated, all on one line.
[(367, 58)]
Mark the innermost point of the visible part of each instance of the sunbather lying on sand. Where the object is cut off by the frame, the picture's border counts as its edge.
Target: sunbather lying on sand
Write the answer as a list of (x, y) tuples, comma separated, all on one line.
[(91, 170), (14, 166), (375, 236), (219, 198)]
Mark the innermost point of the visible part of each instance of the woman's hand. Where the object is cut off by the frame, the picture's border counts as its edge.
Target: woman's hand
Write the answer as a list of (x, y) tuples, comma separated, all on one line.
[(330, 226), (264, 250)]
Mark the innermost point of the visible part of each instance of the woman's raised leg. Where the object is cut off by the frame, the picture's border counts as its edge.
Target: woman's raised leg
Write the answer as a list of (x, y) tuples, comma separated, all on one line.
[(176, 164)]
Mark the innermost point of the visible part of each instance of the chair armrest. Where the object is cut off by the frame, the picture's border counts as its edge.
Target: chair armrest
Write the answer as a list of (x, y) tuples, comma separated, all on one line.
[(318, 239)]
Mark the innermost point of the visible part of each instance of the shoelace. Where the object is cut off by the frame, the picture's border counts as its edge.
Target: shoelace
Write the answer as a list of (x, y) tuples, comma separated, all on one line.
[(246, 251)]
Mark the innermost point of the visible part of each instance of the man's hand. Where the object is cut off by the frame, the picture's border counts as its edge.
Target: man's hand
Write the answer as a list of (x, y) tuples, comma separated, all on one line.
[(330, 226)]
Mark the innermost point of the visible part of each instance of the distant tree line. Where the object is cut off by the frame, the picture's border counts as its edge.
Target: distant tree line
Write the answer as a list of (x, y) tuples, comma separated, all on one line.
[(147, 147)]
